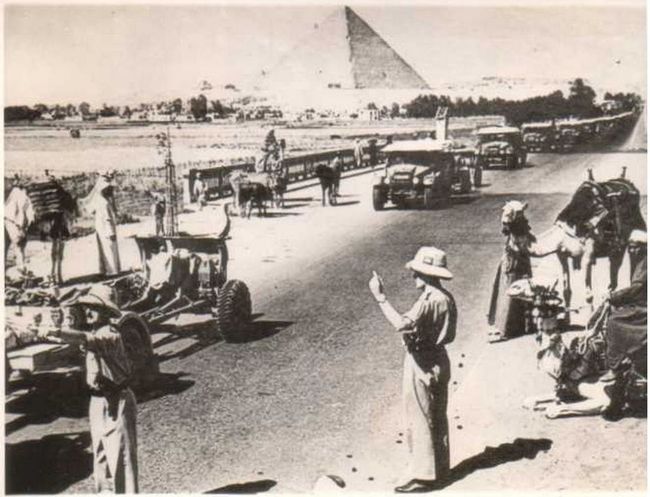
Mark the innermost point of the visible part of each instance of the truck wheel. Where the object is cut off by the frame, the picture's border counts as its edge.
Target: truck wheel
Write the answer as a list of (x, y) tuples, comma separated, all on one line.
[(137, 342), (377, 199), (429, 198), (233, 311), (522, 163), (465, 182), (511, 162), (478, 176)]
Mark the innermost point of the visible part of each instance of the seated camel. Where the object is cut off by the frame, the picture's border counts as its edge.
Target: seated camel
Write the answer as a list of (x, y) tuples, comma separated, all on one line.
[(583, 385)]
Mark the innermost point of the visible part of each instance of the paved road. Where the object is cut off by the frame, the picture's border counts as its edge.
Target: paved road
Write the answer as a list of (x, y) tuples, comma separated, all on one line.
[(316, 390)]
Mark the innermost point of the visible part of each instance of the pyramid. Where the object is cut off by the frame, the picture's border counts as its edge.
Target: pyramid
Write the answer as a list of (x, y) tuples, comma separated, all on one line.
[(342, 52)]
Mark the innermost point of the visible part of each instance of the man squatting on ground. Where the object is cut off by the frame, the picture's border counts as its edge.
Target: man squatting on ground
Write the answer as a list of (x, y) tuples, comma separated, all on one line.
[(112, 411), (425, 329)]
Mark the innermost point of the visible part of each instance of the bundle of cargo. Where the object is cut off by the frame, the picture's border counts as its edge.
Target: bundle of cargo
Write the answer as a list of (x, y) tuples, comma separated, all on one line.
[(48, 197)]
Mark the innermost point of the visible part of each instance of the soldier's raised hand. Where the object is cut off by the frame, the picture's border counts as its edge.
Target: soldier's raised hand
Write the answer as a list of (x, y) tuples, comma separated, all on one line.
[(376, 285)]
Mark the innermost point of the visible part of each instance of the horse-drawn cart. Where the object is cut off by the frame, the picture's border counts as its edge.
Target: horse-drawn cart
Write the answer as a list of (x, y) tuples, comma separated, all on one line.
[(179, 274)]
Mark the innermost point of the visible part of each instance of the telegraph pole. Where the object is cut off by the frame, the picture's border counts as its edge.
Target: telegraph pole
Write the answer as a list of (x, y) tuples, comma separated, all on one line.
[(171, 195)]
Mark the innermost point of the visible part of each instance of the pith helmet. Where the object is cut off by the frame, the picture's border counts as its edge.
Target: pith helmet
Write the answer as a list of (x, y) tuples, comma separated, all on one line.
[(430, 261)]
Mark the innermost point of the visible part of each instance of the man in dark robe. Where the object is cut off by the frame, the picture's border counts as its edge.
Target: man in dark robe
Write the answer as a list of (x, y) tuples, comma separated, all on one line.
[(627, 327)]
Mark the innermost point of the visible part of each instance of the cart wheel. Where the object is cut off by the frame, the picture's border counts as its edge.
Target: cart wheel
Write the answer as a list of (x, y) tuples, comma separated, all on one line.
[(137, 342), (465, 181), (233, 311)]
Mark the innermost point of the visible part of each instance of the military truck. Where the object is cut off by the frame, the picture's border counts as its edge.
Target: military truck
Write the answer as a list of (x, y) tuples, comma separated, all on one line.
[(501, 145), (425, 172), (539, 137)]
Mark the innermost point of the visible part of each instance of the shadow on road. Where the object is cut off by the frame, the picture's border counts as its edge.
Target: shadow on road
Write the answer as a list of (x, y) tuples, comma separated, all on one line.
[(464, 199), (521, 448), (299, 199), (49, 465), (296, 206), (48, 397), (251, 487), (259, 330), (349, 202), (164, 384), (203, 337), (279, 214)]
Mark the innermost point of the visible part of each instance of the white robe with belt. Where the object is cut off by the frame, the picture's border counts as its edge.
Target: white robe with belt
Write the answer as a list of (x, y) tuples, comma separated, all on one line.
[(106, 234)]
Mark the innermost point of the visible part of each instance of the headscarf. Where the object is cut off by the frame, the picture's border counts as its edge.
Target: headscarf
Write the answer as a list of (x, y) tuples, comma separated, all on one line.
[(89, 203)]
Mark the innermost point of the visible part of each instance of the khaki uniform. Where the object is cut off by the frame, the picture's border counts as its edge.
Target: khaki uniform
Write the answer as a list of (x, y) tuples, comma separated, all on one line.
[(425, 384), (112, 413)]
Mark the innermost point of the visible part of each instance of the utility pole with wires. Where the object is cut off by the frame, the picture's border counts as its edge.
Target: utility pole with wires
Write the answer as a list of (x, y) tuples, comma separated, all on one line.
[(171, 195)]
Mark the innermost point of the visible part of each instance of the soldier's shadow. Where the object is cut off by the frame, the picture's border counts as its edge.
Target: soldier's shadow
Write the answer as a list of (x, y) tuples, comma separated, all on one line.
[(49, 465), (46, 398), (251, 487), (520, 448)]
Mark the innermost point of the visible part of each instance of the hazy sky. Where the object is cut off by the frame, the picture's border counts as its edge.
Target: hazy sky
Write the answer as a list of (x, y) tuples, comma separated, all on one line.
[(112, 53)]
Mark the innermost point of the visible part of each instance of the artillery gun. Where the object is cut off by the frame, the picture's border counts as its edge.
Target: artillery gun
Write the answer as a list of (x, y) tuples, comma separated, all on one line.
[(179, 274)]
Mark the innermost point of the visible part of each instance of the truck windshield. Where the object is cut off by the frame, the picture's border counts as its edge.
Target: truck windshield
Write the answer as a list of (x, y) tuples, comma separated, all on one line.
[(496, 137), (415, 158)]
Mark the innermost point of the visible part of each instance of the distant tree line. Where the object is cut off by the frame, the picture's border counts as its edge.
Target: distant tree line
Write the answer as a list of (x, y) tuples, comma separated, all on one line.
[(627, 101), (199, 107), (579, 103)]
